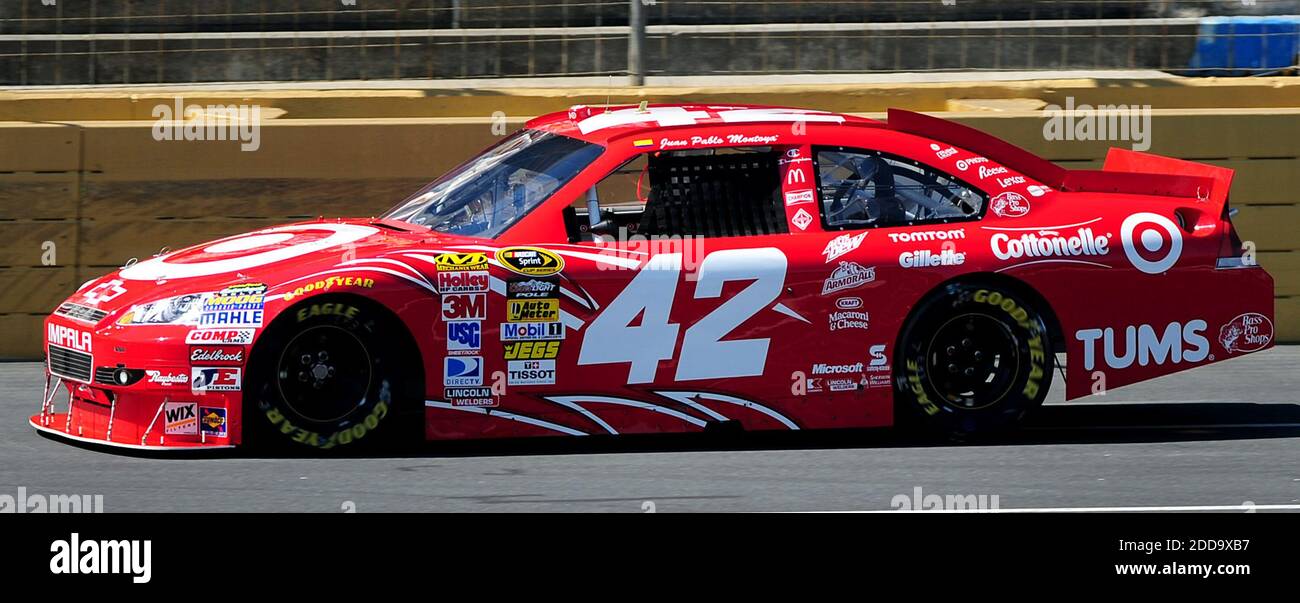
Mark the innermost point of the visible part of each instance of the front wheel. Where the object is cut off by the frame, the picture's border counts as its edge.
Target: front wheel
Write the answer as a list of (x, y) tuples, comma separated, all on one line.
[(329, 375), (972, 359)]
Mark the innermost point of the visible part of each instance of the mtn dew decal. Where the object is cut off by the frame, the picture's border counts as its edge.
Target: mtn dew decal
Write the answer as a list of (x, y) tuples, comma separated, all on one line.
[(530, 261)]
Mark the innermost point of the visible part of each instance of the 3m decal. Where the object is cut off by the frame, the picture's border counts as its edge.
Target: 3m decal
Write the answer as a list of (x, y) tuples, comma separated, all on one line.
[(464, 306)]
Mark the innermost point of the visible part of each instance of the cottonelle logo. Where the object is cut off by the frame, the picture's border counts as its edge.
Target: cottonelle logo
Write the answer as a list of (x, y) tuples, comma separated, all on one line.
[(1048, 243)]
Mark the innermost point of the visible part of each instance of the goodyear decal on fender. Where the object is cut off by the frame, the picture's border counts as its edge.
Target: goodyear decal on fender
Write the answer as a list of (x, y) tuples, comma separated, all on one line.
[(461, 261), (530, 261), (532, 310), (326, 284)]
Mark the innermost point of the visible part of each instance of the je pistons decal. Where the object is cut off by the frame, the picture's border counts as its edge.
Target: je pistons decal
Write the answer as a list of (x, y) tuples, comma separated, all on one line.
[(461, 261), (530, 261), (532, 310)]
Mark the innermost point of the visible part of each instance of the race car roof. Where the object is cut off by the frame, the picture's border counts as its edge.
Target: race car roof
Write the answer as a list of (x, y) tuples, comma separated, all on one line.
[(600, 124)]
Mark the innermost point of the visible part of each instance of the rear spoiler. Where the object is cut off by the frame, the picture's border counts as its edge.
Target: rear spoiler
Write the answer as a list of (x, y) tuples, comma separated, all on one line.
[(1124, 171)]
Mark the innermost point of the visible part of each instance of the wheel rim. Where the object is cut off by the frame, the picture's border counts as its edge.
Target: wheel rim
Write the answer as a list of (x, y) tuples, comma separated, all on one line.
[(973, 361), (324, 374)]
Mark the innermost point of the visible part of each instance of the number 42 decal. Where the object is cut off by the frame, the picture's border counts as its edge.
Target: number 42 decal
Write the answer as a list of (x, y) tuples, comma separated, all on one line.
[(611, 338)]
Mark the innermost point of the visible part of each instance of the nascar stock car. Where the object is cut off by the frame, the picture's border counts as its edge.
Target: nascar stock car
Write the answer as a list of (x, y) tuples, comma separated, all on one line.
[(673, 268)]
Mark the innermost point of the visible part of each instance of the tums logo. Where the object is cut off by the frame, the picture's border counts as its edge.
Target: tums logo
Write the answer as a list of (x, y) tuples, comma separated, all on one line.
[(1175, 343)]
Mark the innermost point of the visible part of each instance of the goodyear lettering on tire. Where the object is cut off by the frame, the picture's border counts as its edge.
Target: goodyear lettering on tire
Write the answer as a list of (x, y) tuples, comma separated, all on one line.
[(1029, 322)]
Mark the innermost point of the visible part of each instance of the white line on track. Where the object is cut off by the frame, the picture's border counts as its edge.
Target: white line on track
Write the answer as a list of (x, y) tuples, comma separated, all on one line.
[(1242, 508)]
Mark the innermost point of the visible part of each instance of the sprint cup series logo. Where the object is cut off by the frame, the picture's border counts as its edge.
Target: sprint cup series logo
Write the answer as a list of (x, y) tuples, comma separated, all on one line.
[(530, 261)]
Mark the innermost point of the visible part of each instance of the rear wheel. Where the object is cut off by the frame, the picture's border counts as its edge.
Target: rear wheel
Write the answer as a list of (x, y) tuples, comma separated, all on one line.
[(972, 359), (332, 374)]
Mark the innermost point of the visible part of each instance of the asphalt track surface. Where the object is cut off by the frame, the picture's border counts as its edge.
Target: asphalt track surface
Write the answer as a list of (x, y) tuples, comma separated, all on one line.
[(1225, 435)]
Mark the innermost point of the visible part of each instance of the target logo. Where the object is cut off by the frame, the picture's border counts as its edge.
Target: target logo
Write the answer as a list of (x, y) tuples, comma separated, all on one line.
[(242, 252), (1152, 242)]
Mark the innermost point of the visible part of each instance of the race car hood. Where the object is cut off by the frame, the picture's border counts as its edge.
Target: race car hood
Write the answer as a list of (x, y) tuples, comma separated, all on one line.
[(273, 256)]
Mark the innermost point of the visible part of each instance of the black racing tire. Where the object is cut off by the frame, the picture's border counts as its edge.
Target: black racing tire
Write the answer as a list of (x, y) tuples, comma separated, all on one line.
[(333, 374), (972, 360)]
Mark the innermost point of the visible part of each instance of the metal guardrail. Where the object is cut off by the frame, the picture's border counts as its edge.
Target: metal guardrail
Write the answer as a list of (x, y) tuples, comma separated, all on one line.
[(634, 38)]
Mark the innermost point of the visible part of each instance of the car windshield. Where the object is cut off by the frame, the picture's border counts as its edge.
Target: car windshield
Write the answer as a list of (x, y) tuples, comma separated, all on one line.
[(489, 193)]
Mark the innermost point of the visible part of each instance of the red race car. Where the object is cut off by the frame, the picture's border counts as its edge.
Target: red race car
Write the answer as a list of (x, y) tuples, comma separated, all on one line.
[(673, 268)]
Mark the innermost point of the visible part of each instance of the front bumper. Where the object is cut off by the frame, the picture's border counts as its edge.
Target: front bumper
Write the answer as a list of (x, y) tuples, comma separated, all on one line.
[(159, 411)]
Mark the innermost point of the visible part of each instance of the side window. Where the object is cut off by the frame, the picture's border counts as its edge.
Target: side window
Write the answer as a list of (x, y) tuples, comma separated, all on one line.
[(724, 192), (864, 189)]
